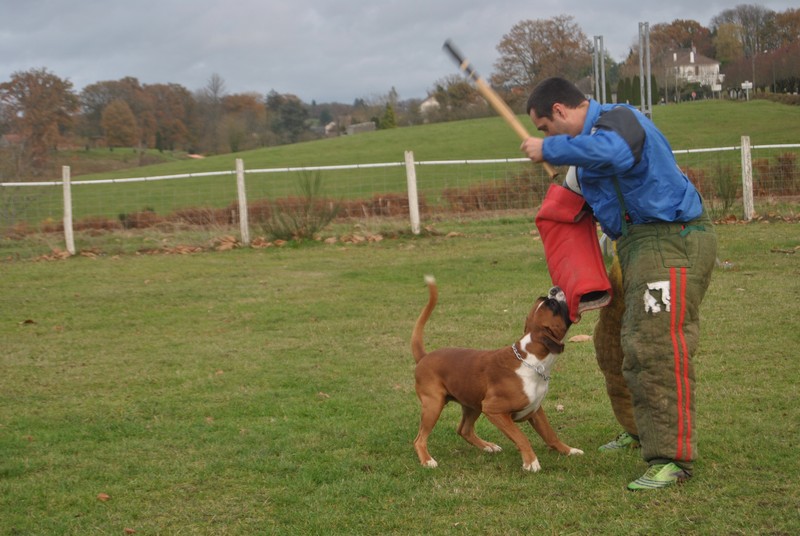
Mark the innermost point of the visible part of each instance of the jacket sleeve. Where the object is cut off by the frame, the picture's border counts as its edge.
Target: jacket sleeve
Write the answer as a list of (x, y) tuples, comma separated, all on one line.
[(613, 147)]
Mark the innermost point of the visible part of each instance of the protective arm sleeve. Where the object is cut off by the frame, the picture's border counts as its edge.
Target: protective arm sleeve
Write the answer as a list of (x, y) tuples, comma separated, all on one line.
[(572, 250)]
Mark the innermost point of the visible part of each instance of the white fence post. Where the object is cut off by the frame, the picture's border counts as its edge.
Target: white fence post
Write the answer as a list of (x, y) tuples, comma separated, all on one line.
[(413, 201), (244, 227), (747, 179), (69, 236)]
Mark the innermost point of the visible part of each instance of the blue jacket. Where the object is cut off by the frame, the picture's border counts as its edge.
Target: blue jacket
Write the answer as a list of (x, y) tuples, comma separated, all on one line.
[(618, 141)]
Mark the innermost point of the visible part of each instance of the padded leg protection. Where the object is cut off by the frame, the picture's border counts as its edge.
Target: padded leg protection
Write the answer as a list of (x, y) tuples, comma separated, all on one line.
[(608, 350)]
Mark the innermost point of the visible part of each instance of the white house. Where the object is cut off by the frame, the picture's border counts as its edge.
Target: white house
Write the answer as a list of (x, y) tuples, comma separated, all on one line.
[(428, 106), (691, 67)]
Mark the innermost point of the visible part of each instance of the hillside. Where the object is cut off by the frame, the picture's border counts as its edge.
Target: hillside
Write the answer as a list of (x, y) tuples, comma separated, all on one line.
[(700, 124)]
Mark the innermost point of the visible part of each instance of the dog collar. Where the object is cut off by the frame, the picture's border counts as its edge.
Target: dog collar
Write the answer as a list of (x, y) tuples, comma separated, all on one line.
[(539, 368)]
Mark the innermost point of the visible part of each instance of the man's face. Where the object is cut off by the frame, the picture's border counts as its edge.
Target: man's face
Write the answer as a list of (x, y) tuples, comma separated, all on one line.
[(564, 121)]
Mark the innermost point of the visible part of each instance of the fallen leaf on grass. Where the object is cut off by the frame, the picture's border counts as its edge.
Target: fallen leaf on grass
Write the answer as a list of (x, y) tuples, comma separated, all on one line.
[(260, 242), (55, 255), (103, 497), (129, 531), (580, 338), (226, 243), (353, 239)]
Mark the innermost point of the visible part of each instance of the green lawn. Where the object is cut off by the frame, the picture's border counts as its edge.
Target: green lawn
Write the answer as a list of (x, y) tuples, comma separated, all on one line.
[(270, 391)]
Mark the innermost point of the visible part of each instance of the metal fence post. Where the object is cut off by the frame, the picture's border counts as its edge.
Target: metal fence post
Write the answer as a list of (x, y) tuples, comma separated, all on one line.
[(413, 201), (244, 227), (747, 179), (69, 236)]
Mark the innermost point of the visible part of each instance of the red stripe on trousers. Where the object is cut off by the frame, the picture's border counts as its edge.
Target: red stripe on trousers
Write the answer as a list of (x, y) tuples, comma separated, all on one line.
[(676, 358)]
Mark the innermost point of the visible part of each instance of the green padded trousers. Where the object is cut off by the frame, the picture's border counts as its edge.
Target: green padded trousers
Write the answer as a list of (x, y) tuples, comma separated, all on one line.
[(666, 269)]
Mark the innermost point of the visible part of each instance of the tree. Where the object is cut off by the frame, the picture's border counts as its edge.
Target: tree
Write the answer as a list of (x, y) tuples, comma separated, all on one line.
[(457, 99), (96, 97), (536, 49), (325, 116), (727, 43), (787, 27), (753, 24), (119, 125), (666, 38), (209, 102), (245, 119), (172, 109), (635, 94), (622, 96), (388, 119), (38, 105), (288, 116)]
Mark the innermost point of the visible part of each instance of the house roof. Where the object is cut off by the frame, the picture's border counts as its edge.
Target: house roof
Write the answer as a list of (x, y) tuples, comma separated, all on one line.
[(689, 56)]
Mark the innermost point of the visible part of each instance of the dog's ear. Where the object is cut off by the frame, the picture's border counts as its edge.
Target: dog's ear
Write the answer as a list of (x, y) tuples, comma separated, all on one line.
[(546, 339), (529, 321), (553, 346)]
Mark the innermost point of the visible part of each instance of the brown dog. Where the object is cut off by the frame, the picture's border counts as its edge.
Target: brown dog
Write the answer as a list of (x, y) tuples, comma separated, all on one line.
[(506, 385)]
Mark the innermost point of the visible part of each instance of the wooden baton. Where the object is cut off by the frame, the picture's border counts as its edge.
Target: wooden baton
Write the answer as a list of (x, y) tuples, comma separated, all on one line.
[(494, 99)]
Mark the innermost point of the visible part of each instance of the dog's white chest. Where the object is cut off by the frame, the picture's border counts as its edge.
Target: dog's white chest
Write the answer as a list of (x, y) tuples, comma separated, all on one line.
[(535, 375)]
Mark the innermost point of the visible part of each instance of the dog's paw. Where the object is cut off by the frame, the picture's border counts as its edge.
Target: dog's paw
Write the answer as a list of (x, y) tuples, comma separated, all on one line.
[(491, 447), (574, 452), (430, 464), (534, 467)]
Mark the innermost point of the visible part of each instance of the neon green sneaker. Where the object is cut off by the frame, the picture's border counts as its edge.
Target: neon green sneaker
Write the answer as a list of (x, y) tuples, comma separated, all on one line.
[(660, 476), (622, 441)]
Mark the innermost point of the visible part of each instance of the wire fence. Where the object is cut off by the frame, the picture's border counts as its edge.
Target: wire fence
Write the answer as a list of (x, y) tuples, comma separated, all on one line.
[(189, 212)]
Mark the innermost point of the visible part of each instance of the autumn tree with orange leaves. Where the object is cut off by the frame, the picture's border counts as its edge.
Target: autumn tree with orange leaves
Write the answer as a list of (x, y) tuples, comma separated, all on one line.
[(37, 105)]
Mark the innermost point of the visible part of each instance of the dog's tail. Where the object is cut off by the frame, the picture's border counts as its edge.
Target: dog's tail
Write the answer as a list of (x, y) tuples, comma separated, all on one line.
[(417, 346)]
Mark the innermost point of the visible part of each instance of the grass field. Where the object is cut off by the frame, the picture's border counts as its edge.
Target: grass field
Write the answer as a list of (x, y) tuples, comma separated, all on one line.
[(271, 392)]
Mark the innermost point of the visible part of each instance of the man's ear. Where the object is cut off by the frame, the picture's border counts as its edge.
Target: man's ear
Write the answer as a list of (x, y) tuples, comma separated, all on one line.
[(559, 111)]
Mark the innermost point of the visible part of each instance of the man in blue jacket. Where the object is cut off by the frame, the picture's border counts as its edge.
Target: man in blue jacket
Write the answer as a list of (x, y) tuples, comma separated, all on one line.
[(666, 244)]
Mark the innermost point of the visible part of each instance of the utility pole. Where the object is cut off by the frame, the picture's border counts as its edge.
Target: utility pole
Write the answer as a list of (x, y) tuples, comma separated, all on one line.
[(599, 65), (644, 76)]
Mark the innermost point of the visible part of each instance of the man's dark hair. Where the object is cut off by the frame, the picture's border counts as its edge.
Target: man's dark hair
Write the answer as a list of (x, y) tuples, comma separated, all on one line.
[(551, 91)]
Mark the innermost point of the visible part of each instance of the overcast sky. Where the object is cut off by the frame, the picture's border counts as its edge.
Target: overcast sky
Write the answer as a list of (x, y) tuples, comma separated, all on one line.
[(320, 50)]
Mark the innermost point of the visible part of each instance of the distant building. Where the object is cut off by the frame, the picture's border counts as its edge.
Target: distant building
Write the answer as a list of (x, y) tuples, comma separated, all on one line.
[(357, 128), (429, 106), (693, 68)]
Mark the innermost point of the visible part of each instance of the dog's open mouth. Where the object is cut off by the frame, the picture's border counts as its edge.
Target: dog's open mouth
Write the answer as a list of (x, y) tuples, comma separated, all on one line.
[(556, 301)]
